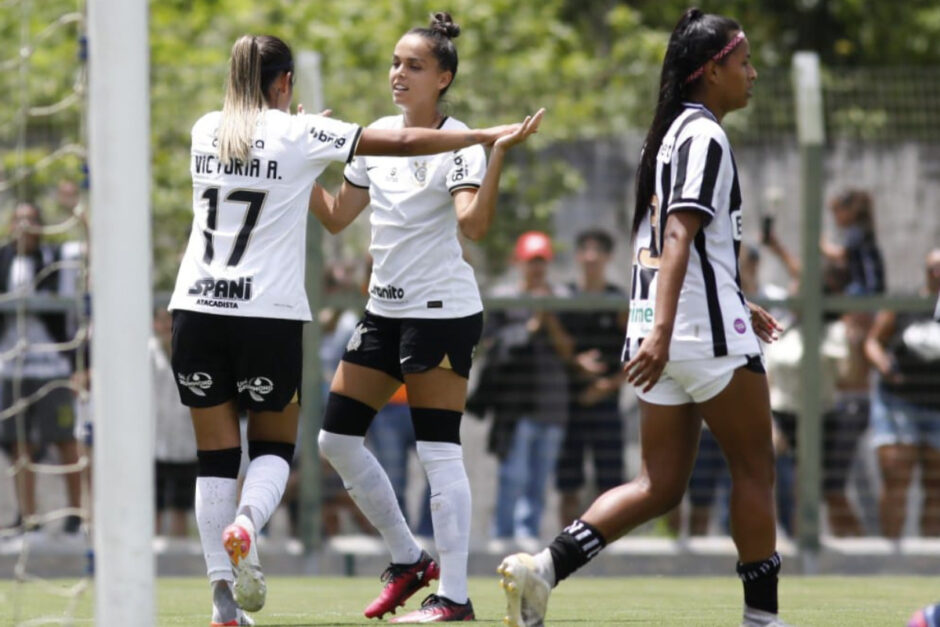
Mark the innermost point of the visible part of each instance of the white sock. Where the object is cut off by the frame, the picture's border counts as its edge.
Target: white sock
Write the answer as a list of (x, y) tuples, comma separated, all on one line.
[(370, 489), (544, 566), (215, 509), (264, 486), (755, 616), (450, 514)]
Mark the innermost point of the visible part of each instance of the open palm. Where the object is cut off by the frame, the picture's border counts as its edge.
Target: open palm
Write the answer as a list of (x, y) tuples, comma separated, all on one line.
[(529, 126)]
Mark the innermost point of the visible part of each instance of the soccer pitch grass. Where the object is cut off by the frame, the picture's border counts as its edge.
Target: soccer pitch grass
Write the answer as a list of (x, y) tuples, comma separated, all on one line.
[(699, 601)]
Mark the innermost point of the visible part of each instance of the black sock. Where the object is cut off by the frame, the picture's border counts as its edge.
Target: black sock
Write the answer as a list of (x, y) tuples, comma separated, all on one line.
[(760, 583), (574, 547)]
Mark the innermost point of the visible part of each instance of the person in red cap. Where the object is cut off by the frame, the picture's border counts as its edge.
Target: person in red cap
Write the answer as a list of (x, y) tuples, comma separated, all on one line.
[(529, 396), (534, 245)]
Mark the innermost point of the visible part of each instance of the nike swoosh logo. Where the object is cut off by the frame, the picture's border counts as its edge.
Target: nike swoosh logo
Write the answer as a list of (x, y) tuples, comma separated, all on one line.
[(405, 358), (371, 167)]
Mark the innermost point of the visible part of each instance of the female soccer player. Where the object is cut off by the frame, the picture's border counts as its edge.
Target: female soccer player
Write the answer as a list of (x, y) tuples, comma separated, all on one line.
[(239, 302), (422, 321), (690, 347)]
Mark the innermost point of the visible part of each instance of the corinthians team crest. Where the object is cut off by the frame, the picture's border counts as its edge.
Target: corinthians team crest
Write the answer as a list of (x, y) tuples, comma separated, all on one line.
[(420, 170), (356, 340)]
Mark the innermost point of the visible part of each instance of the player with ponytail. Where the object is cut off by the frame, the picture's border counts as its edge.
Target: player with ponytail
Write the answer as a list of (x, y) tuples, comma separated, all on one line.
[(239, 304), (692, 347)]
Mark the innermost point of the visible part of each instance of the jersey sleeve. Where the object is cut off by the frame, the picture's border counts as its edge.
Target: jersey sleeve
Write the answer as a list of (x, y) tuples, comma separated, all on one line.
[(698, 164), (326, 139), (356, 174), (466, 168)]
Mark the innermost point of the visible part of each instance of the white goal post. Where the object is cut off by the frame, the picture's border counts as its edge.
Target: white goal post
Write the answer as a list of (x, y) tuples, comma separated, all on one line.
[(121, 261)]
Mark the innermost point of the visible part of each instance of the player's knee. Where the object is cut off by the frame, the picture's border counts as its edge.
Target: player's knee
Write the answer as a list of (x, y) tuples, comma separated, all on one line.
[(436, 425), (431, 452), (347, 416), (258, 448), (336, 447), (755, 473), (669, 500), (664, 494), (223, 463)]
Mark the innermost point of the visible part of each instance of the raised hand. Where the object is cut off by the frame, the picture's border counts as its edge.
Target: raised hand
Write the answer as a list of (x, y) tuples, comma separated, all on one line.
[(512, 134), (529, 126)]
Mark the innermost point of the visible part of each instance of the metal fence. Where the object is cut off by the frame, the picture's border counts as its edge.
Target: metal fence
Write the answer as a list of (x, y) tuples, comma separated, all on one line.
[(881, 138)]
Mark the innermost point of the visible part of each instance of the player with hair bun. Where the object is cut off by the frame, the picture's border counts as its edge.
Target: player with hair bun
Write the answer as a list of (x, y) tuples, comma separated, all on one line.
[(421, 324), (692, 339), (239, 303)]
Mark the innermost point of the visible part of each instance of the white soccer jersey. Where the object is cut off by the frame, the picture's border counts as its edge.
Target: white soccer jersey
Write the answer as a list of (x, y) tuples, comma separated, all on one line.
[(695, 171), (418, 267), (246, 250)]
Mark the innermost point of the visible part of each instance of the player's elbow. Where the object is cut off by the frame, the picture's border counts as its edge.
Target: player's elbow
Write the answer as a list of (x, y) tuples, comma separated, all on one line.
[(405, 143), (473, 229), (333, 227), (328, 220)]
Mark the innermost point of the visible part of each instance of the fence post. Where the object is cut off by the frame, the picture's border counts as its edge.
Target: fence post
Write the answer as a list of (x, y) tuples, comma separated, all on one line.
[(807, 87), (119, 172), (311, 95)]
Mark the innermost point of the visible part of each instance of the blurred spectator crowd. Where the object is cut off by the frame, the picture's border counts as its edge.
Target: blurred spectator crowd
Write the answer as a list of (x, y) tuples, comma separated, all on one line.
[(548, 383)]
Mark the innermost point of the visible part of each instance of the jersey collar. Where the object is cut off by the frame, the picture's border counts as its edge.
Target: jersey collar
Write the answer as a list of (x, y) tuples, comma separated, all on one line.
[(700, 107)]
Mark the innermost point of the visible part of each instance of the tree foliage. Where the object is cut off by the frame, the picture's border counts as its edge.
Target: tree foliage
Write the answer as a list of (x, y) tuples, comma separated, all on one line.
[(515, 57), (594, 65)]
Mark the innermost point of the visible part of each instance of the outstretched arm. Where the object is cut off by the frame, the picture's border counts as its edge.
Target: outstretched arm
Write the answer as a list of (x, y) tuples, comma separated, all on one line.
[(414, 140), (476, 207)]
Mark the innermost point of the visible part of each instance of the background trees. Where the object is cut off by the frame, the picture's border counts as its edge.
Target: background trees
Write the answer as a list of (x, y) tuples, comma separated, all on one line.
[(594, 64)]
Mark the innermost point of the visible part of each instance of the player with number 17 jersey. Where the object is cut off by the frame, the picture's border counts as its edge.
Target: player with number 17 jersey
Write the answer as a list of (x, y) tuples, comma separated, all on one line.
[(245, 255), (695, 171)]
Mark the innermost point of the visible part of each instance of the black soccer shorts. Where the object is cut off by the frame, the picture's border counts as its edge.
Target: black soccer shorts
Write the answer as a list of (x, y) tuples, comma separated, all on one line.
[(258, 361), (399, 346)]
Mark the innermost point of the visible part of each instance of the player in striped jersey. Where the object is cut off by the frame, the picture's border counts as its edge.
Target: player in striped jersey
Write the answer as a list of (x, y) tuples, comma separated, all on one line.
[(422, 322), (692, 339), (239, 303)]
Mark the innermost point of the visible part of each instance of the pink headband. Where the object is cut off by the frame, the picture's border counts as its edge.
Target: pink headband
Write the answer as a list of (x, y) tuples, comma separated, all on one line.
[(721, 54)]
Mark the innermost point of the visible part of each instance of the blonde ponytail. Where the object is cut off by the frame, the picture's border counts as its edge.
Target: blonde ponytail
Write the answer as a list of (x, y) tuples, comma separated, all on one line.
[(244, 100)]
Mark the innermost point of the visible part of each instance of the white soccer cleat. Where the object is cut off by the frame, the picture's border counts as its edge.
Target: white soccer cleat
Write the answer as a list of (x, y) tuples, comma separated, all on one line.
[(225, 612), (241, 620), (760, 618), (240, 543), (526, 591)]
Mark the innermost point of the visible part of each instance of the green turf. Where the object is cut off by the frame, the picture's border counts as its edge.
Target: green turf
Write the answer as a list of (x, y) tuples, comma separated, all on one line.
[(584, 601)]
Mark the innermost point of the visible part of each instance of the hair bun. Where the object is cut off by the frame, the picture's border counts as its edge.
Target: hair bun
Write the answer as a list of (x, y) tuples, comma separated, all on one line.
[(691, 15), (443, 24)]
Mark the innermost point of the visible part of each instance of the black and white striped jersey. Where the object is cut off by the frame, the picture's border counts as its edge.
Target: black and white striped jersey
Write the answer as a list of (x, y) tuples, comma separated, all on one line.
[(695, 171), (418, 268), (246, 250)]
